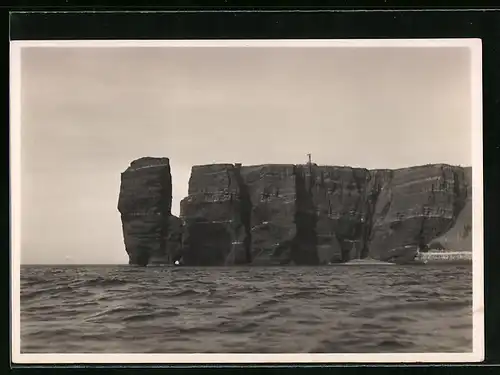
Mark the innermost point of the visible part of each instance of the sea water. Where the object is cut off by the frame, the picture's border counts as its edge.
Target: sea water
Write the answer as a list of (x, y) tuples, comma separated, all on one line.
[(335, 309)]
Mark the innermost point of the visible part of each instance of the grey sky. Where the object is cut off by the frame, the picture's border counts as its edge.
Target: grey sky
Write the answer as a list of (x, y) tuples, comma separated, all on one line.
[(87, 112)]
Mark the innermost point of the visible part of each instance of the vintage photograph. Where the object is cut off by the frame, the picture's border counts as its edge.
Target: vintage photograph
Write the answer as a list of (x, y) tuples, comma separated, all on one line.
[(271, 200)]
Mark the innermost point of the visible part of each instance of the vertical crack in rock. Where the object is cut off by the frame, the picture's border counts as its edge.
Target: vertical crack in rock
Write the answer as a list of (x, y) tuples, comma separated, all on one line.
[(245, 212), (459, 191), (305, 242), (360, 178), (373, 189), (421, 240), (165, 203)]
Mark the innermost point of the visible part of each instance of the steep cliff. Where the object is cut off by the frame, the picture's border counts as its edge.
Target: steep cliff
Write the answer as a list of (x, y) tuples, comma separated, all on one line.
[(151, 234), (415, 206), (309, 214)]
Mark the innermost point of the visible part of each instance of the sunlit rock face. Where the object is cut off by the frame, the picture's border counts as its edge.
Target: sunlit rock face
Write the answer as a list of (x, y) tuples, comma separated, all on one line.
[(277, 214), (151, 234)]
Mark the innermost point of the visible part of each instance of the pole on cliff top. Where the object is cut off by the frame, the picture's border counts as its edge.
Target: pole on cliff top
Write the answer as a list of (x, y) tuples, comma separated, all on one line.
[(310, 169)]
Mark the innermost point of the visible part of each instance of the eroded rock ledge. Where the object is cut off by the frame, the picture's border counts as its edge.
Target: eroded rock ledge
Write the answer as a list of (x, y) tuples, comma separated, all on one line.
[(293, 214)]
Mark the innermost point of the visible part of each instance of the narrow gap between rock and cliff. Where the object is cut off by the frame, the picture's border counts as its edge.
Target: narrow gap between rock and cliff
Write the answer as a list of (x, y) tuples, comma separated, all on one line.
[(165, 212), (245, 212)]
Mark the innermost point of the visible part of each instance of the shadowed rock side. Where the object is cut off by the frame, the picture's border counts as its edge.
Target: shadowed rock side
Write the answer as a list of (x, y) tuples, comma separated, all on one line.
[(151, 234), (304, 245), (309, 214)]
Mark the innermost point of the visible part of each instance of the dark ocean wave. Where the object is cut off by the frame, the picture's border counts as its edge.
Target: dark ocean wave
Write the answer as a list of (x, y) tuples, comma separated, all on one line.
[(269, 310), (100, 282)]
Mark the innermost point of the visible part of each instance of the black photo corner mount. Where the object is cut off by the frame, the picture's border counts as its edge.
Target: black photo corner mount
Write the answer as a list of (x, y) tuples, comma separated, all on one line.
[(315, 24)]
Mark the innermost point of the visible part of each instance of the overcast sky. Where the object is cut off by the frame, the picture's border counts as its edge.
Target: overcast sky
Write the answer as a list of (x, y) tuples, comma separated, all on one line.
[(88, 112)]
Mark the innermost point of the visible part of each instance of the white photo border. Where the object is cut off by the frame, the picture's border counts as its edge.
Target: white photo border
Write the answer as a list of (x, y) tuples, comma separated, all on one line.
[(477, 353)]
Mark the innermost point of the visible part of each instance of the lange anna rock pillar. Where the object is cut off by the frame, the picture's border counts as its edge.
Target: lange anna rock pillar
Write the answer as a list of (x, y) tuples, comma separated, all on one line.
[(145, 202)]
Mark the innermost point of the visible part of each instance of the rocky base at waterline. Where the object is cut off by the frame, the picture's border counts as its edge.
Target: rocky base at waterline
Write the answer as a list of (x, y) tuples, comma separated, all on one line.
[(294, 214)]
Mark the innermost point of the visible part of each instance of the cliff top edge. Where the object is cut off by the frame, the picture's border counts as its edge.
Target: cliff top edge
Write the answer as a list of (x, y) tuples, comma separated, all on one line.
[(276, 165), (149, 161)]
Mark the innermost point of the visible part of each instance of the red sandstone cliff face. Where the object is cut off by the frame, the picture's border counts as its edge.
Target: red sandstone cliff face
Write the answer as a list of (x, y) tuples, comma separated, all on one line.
[(151, 234), (293, 214)]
